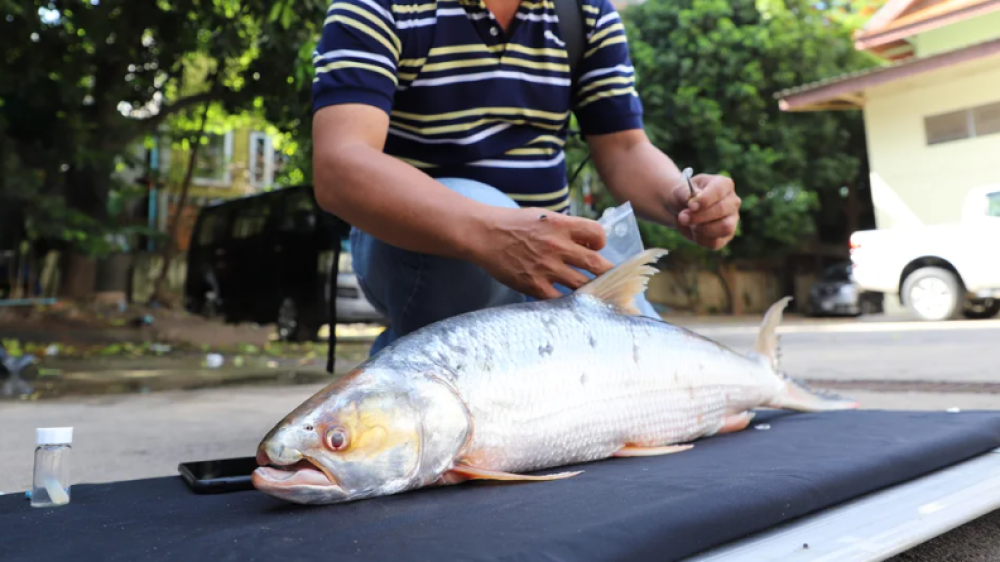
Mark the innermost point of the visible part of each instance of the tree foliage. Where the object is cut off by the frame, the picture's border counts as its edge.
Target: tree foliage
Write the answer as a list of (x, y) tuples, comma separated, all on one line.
[(852, 14), (83, 79), (707, 72)]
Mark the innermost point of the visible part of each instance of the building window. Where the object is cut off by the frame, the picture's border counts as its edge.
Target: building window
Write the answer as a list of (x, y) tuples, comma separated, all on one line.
[(986, 119), (994, 199), (261, 160), (964, 124), (212, 165), (280, 162)]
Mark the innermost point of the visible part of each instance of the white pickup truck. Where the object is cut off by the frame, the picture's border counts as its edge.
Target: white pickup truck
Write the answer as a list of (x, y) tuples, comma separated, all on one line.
[(939, 272)]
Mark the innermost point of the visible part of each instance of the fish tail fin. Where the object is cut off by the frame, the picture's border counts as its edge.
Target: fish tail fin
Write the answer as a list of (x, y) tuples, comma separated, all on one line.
[(793, 394), (796, 395), (767, 339)]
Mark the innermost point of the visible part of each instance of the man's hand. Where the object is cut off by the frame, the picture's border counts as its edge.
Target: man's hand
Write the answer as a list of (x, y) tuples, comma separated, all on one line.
[(709, 218), (635, 170), (529, 250)]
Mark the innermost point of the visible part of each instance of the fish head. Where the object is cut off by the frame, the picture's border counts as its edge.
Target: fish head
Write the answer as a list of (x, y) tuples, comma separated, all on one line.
[(375, 432)]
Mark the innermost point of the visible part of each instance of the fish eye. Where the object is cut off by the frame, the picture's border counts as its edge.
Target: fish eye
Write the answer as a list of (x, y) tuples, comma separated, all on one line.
[(336, 438)]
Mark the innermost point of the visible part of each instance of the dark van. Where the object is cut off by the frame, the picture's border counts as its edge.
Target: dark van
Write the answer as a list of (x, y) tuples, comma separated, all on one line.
[(267, 258)]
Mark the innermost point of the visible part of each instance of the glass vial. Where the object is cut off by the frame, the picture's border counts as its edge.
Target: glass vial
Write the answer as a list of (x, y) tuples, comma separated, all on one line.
[(51, 483)]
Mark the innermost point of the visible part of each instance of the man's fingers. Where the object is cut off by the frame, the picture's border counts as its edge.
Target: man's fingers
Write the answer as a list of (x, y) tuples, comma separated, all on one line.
[(709, 191), (569, 277), (588, 260), (586, 232), (545, 290), (721, 229), (728, 206)]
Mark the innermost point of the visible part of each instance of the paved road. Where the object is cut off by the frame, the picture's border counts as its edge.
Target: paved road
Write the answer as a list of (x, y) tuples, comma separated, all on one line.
[(902, 351)]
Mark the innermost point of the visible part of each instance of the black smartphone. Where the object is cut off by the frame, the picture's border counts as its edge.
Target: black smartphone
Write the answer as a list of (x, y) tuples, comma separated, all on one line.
[(218, 476)]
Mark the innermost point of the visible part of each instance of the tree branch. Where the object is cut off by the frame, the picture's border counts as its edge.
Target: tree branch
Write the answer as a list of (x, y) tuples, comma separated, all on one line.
[(153, 122)]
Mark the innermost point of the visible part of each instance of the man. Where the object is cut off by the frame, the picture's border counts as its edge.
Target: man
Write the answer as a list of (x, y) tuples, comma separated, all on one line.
[(438, 134)]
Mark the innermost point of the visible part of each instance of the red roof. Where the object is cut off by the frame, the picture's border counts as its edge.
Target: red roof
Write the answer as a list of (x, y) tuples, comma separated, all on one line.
[(846, 91), (901, 19)]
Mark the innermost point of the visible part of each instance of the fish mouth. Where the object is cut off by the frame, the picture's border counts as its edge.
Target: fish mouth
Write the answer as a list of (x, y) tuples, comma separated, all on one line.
[(305, 482)]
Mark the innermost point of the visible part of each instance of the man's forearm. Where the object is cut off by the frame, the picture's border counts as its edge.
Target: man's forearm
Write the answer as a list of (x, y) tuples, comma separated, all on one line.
[(396, 203), (639, 172), (635, 170)]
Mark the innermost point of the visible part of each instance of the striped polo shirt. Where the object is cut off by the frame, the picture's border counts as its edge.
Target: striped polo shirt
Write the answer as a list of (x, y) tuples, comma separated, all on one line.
[(466, 99)]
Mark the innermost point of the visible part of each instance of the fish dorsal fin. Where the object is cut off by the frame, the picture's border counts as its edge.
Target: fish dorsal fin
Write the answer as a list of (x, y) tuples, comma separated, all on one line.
[(620, 285), (767, 338)]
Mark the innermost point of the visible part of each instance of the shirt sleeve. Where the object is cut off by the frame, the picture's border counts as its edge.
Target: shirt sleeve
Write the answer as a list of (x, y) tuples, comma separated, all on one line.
[(357, 55), (605, 100)]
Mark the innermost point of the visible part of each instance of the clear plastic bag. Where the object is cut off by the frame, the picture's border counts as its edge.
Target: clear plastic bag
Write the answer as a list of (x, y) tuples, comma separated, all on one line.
[(623, 238), (623, 242)]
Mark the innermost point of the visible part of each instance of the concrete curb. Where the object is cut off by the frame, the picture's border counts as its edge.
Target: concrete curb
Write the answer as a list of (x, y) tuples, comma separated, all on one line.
[(108, 382)]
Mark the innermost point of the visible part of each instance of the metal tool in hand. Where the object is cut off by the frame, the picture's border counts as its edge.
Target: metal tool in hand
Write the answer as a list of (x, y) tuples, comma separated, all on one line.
[(687, 173)]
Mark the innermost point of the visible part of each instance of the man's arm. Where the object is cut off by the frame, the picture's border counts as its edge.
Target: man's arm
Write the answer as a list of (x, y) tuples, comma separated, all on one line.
[(383, 196), (404, 207), (610, 115), (636, 171)]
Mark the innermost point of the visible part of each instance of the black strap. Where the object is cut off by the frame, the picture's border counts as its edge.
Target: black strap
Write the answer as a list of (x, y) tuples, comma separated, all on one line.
[(570, 13), (337, 230), (331, 352)]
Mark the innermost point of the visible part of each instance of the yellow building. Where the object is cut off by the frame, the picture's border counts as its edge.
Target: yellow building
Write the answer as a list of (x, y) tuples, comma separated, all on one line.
[(932, 114), (238, 162)]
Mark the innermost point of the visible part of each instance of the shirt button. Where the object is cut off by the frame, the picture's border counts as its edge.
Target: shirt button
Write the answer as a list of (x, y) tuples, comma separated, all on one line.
[(494, 31)]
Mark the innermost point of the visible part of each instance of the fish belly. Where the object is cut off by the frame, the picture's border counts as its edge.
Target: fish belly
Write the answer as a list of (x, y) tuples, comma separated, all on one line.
[(575, 381)]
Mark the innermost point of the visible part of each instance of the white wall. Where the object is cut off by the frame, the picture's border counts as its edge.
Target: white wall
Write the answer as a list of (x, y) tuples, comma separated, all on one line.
[(913, 183)]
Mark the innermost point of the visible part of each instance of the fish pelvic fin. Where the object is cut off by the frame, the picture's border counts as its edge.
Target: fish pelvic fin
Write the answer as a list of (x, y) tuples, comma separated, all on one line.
[(462, 472), (638, 451), (620, 285), (767, 345)]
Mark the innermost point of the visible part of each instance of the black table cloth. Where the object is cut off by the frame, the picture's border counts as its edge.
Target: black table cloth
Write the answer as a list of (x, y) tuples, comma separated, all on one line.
[(654, 508)]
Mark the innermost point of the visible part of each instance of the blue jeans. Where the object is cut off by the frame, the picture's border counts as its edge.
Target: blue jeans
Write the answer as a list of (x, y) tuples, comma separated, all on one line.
[(413, 289)]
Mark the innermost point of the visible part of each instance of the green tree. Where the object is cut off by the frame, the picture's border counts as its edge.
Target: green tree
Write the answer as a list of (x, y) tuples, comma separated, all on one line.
[(853, 14), (82, 80), (707, 72)]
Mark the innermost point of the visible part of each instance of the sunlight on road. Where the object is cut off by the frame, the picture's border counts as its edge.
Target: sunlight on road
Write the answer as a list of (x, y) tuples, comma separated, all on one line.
[(857, 327), (352, 331)]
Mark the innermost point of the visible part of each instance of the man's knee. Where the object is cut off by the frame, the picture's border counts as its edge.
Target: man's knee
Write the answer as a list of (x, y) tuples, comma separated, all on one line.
[(415, 289), (447, 287), (478, 191)]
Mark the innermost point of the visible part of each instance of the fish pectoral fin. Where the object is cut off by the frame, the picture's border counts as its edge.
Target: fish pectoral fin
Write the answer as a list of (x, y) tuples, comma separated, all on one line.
[(473, 473), (619, 286), (634, 451)]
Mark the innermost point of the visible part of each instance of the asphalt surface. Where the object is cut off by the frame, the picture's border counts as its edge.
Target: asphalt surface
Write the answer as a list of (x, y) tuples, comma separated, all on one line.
[(136, 436), (899, 351)]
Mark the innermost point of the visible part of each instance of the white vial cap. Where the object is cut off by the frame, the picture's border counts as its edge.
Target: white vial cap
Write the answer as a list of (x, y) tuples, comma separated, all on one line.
[(53, 435)]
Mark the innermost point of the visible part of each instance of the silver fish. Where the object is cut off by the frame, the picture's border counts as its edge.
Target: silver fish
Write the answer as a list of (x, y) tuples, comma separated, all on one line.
[(501, 392)]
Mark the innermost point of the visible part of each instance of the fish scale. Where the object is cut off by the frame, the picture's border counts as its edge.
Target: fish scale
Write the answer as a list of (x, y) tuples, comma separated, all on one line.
[(509, 390), (627, 399)]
